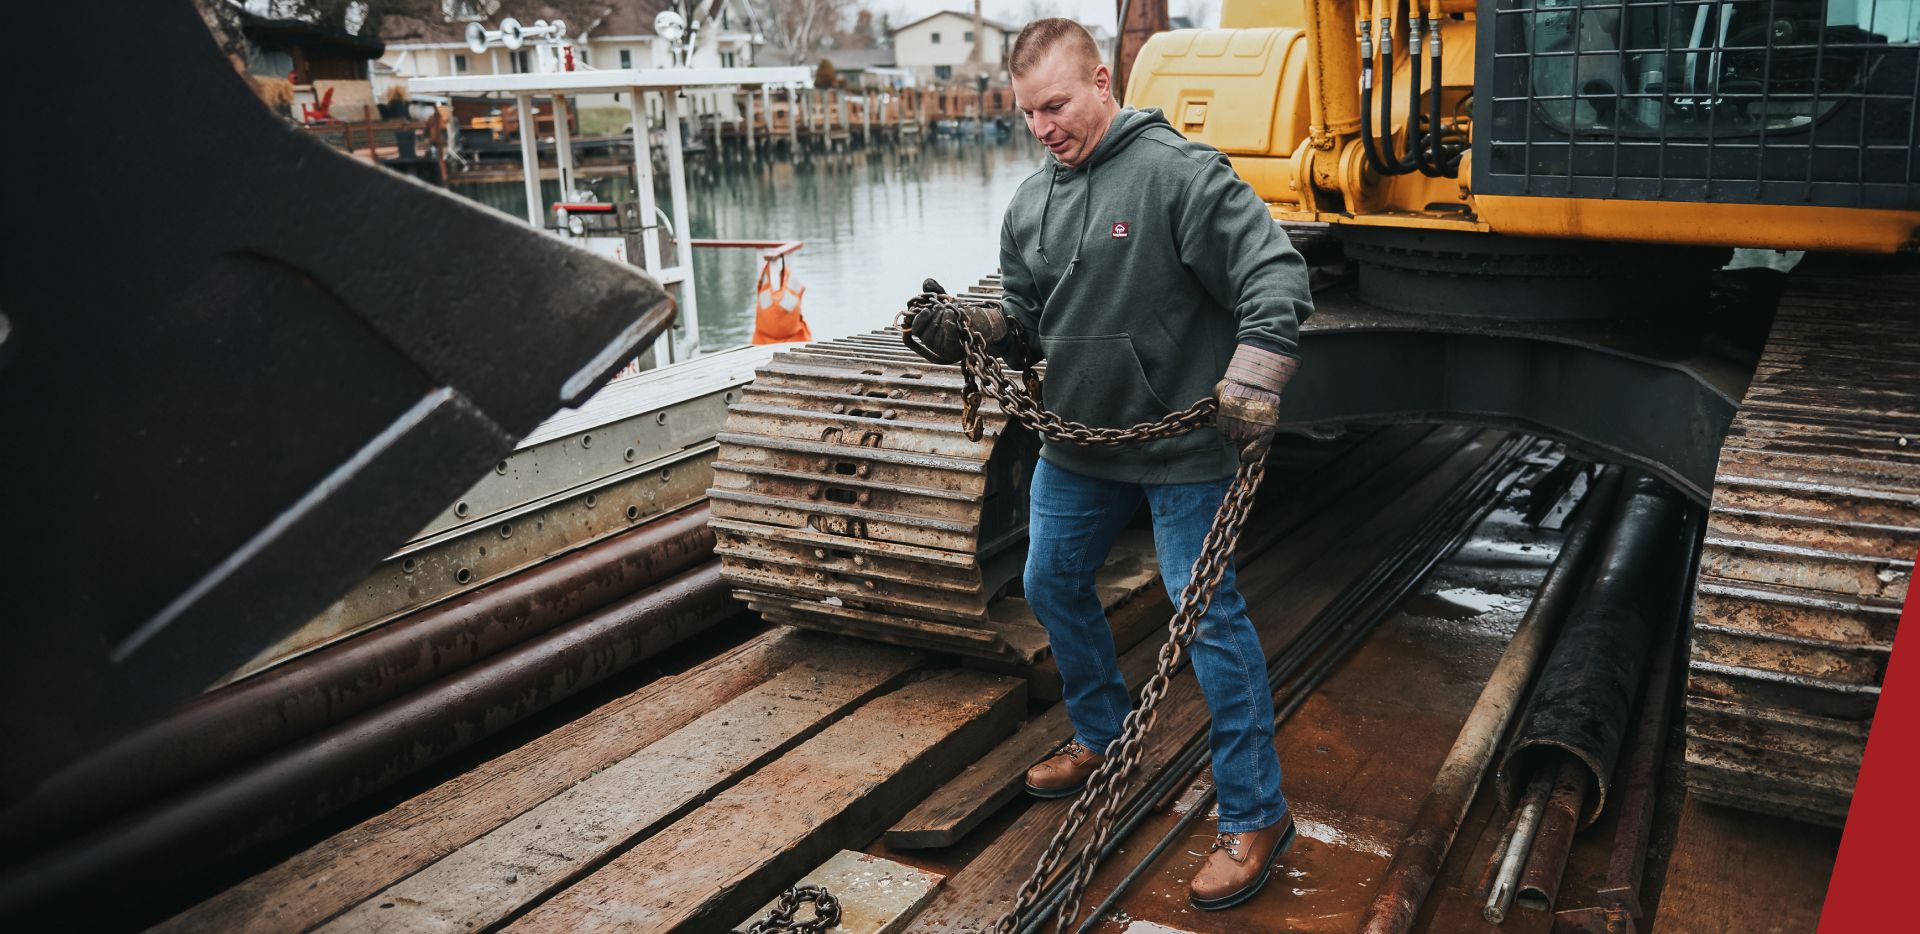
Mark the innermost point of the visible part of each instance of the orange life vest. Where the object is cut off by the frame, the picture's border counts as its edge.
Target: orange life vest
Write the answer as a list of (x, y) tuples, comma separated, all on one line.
[(776, 307)]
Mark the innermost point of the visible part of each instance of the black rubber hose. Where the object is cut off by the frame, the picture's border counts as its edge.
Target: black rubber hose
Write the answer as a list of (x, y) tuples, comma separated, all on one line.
[(1368, 143), (1416, 157), (1444, 163)]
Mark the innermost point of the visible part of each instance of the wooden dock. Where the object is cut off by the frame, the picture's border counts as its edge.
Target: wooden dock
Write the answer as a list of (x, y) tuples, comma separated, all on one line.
[(689, 802)]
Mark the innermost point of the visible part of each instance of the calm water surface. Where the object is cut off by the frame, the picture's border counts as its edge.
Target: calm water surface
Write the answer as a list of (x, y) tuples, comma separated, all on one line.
[(876, 222)]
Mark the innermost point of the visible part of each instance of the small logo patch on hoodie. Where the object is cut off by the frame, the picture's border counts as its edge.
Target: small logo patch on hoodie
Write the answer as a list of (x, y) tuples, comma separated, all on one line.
[(1120, 230)]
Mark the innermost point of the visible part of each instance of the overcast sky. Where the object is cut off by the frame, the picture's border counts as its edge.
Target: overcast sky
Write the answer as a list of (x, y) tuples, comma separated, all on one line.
[(1016, 12)]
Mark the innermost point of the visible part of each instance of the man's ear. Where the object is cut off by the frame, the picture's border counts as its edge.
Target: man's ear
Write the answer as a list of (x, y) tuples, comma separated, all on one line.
[(1102, 78)]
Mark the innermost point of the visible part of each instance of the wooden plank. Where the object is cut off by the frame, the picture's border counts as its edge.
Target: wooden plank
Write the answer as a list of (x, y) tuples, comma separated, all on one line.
[(987, 785), (1733, 871), (876, 895), (838, 789), (1281, 607), (340, 871), (570, 834)]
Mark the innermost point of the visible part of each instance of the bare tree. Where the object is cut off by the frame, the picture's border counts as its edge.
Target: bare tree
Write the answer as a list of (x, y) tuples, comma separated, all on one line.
[(404, 16), (800, 28)]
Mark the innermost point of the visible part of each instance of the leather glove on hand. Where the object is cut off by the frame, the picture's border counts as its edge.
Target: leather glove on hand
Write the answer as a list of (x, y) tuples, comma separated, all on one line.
[(939, 328), (1250, 395)]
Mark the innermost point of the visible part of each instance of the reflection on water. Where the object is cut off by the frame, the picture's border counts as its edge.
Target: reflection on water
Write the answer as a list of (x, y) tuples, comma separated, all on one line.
[(876, 222)]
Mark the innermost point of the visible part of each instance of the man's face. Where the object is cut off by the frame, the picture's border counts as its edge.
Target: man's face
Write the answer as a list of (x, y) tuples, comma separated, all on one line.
[(1066, 101)]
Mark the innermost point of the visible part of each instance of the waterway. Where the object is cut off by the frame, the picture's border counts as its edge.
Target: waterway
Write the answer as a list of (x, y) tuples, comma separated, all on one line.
[(875, 223)]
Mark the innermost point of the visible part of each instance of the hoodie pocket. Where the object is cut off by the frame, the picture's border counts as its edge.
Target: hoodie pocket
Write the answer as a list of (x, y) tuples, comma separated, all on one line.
[(1099, 381)]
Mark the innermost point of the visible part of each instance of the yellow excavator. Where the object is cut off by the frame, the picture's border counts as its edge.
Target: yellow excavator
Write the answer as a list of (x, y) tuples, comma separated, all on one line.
[(1536, 197)]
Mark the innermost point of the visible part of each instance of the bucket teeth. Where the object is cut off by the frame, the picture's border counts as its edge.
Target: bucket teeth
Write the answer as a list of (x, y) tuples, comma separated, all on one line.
[(1809, 546), (847, 498)]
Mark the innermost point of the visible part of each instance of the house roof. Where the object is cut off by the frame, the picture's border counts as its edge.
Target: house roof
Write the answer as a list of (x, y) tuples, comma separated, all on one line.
[(992, 24)]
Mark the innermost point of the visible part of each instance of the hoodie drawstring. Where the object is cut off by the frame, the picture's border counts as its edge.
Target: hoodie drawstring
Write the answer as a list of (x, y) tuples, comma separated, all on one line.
[(1045, 206), (1086, 215)]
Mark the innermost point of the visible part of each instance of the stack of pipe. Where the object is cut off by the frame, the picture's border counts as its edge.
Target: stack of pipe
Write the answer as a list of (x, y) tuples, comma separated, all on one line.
[(1559, 769), (250, 761)]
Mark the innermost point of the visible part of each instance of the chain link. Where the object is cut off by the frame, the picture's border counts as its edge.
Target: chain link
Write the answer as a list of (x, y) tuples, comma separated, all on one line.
[(1099, 803), (826, 912)]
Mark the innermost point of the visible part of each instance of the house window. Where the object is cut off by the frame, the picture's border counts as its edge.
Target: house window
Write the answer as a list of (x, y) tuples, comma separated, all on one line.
[(522, 64), (967, 36), (726, 59), (943, 72), (626, 58), (936, 38), (582, 52), (459, 64)]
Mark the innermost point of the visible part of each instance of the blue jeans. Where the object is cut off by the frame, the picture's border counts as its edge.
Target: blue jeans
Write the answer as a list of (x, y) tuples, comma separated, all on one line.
[(1075, 519)]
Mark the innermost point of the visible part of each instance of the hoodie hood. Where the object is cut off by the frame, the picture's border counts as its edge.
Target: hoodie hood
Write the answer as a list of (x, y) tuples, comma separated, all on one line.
[(1126, 127)]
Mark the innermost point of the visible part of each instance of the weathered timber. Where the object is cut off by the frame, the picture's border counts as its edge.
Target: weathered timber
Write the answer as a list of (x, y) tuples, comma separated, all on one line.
[(1722, 859), (990, 783), (574, 832), (840, 788), (876, 895), (1281, 606), (996, 778), (313, 886)]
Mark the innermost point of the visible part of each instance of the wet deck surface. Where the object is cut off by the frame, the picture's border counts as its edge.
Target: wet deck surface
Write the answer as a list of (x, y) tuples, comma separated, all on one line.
[(1360, 754)]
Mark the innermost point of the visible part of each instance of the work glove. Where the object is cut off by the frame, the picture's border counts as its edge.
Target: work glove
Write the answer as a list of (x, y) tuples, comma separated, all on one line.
[(1249, 396), (938, 328)]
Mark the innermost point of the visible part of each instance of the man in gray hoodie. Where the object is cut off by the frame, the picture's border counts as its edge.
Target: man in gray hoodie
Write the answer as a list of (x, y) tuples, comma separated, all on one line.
[(1150, 276)]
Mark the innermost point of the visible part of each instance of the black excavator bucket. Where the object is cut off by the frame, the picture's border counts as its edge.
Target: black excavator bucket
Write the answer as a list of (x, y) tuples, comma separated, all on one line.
[(237, 367)]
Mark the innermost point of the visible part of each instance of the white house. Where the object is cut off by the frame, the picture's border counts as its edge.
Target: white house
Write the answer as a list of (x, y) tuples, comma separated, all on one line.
[(622, 38), (936, 48)]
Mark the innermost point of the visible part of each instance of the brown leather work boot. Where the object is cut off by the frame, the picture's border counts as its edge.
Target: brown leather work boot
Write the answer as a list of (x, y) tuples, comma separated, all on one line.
[(1238, 865), (1063, 773)]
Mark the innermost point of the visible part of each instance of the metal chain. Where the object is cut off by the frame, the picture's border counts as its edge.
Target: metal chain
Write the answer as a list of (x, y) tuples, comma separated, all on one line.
[(1100, 801), (826, 912), (1022, 401)]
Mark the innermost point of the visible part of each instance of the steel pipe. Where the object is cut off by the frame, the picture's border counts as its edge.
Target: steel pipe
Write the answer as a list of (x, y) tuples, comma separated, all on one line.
[(1416, 862), (1620, 907), (1584, 701), (1540, 878), (250, 718), (1513, 855), (350, 760)]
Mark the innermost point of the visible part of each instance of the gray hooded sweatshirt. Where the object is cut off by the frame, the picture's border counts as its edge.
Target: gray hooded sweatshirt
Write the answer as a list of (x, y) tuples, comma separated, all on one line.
[(1139, 271)]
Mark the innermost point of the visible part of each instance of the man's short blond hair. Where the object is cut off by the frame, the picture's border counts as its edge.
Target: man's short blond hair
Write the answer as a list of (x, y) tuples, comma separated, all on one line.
[(1044, 35)]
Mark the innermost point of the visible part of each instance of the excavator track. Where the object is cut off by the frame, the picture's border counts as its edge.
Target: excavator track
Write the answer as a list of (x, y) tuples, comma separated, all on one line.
[(847, 498), (1810, 542)]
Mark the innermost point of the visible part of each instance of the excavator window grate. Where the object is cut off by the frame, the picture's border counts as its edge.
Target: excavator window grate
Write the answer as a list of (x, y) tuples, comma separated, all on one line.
[(1738, 101)]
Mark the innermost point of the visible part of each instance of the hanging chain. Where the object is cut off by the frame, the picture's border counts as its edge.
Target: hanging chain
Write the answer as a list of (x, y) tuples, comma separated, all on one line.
[(1100, 801)]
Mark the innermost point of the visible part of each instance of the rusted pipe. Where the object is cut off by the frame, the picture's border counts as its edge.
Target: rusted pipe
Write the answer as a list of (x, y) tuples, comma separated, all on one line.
[(1584, 702), (264, 800), (252, 717), (1418, 859), (1513, 853), (1540, 879), (1619, 895)]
